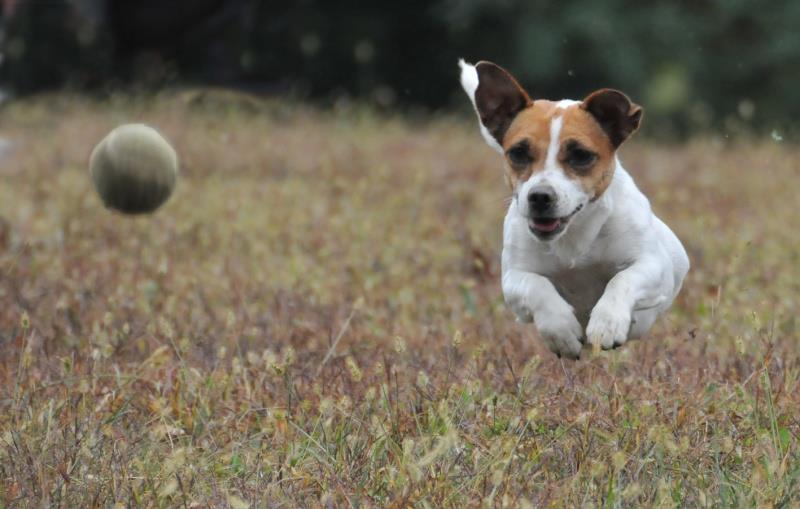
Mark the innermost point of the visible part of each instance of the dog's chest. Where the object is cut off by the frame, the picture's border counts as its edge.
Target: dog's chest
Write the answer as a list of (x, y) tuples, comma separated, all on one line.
[(583, 285)]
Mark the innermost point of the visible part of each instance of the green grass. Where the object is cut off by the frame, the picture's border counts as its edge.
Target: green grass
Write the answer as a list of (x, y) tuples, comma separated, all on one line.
[(314, 319)]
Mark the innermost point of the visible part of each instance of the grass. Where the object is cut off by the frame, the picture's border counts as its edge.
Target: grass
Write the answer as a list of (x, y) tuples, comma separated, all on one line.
[(314, 320)]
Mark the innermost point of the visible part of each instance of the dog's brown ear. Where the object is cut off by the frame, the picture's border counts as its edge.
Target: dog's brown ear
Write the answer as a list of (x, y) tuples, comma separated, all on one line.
[(615, 113), (497, 97)]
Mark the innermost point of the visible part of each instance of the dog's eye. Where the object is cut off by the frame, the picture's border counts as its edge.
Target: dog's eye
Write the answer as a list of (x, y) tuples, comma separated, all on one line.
[(519, 155), (580, 158)]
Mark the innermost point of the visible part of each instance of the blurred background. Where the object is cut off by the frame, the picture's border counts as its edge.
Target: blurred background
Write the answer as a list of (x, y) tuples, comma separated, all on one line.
[(726, 66)]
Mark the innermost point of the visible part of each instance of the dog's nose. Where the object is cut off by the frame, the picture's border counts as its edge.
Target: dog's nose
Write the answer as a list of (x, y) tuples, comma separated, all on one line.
[(541, 198)]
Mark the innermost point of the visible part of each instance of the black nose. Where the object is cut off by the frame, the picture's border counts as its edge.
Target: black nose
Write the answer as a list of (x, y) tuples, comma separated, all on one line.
[(541, 198)]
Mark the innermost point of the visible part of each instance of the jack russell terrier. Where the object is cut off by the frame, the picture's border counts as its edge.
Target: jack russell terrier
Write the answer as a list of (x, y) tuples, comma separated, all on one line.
[(582, 250)]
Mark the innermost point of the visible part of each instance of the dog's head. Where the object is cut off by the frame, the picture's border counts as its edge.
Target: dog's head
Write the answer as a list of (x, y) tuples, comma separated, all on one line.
[(560, 156)]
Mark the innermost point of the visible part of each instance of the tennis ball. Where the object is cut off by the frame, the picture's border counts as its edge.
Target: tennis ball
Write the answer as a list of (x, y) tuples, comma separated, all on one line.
[(134, 169)]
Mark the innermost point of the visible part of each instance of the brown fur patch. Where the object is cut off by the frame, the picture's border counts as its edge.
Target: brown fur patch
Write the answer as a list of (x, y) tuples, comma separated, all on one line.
[(580, 126), (533, 125)]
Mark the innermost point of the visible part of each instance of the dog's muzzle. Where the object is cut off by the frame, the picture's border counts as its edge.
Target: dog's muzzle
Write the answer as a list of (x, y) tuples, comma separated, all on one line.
[(547, 227)]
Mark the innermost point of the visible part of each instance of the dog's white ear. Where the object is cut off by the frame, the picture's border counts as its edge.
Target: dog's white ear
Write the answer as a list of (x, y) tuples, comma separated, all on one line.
[(497, 98), (617, 115)]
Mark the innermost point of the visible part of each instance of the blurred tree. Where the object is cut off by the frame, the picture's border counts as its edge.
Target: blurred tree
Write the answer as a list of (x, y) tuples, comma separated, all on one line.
[(696, 65), (48, 44)]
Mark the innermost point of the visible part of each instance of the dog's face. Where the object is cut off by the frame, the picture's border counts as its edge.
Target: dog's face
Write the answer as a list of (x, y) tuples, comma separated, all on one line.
[(560, 156)]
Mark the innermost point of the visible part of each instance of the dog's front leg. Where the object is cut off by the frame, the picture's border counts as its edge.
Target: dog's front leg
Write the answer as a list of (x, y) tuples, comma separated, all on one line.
[(534, 298), (641, 284)]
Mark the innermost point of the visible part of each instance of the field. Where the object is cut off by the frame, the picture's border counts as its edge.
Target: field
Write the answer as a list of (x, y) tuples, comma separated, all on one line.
[(314, 320)]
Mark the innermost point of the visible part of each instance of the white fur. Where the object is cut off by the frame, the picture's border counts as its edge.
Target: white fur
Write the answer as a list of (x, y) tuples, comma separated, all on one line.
[(566, 103), (469, 81), (552, 149)]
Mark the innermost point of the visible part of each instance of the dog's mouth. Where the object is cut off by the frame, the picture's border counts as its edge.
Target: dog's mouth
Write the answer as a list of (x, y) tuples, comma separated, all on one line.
[(547, 228)]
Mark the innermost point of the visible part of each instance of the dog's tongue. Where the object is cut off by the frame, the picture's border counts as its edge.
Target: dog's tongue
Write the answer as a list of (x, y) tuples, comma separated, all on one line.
[(546, 225)]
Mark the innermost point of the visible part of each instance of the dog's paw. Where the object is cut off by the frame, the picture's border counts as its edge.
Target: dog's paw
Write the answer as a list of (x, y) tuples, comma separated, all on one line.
[(608, 326), (523, 312), (561, 332)]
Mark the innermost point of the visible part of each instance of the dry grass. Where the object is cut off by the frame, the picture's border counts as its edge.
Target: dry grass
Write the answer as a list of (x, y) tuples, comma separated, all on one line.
[(314, 319)]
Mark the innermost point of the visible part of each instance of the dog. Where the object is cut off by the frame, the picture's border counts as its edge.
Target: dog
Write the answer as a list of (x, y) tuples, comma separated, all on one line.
[(582, 249)]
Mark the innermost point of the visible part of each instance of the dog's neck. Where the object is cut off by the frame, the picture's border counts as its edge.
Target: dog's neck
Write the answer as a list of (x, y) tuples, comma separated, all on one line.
[(586, 226)]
